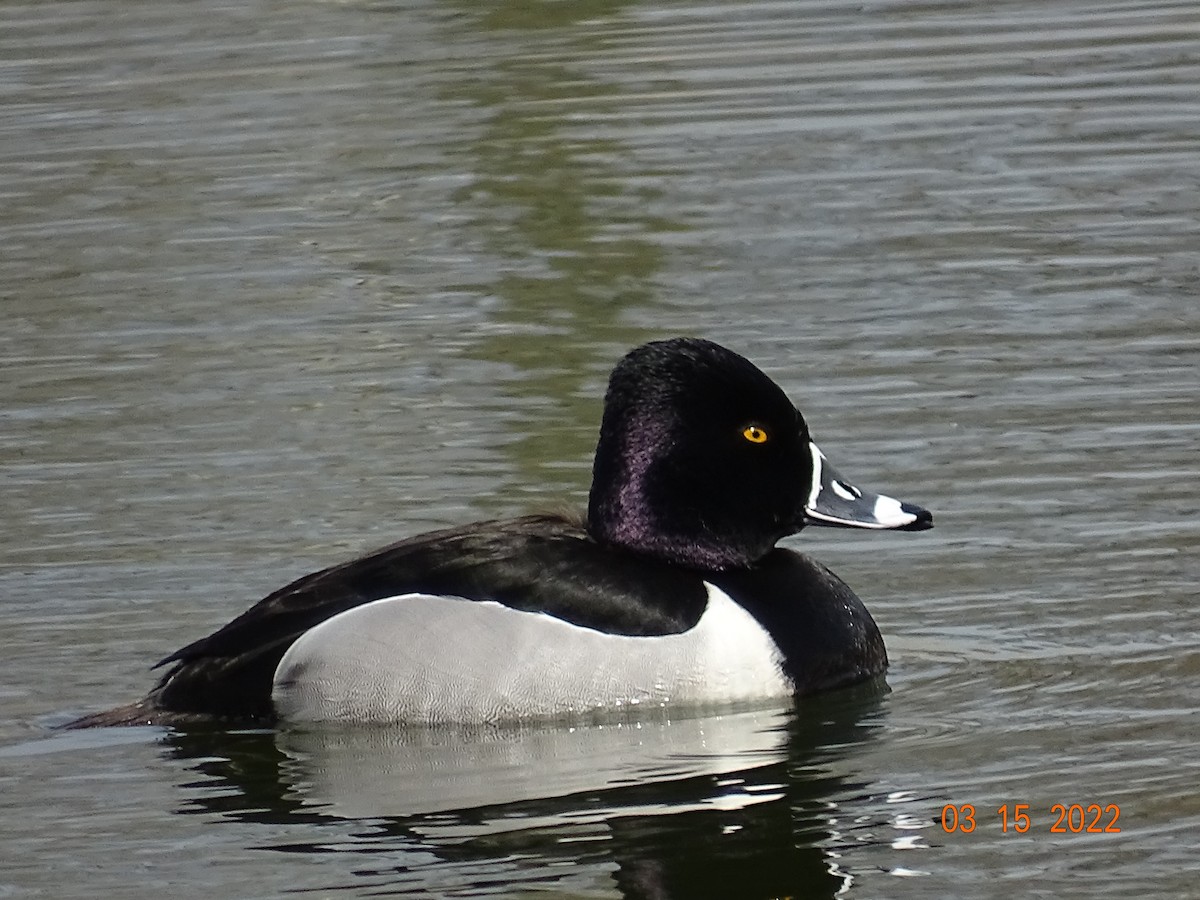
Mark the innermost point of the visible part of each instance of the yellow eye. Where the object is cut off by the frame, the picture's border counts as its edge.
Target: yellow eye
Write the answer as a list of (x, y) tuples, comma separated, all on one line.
[(754, 434)]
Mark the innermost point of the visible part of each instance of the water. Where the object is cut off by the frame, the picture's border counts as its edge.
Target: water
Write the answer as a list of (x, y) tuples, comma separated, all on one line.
[(282, 282)]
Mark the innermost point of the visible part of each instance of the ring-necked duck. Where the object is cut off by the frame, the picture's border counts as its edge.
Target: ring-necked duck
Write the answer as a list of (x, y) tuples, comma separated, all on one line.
[(671, 591)]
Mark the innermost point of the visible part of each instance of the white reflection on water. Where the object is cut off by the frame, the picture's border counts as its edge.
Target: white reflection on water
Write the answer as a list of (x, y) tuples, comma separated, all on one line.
[(364, 772)]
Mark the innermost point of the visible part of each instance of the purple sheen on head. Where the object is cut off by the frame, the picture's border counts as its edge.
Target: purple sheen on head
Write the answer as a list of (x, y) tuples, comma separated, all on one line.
[(673, 476)]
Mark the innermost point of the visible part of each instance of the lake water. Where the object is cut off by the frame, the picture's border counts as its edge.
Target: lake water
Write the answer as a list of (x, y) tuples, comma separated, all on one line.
[(285, 281)]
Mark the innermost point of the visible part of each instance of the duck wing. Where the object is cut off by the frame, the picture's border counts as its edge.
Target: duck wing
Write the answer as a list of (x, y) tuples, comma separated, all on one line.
[(536, 563)]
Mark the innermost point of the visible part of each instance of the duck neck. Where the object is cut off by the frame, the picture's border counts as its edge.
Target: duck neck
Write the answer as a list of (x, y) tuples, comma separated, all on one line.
[(624, 513)]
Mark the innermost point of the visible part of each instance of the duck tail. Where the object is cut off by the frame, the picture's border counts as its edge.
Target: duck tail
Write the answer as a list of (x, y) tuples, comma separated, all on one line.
[(139, 713)]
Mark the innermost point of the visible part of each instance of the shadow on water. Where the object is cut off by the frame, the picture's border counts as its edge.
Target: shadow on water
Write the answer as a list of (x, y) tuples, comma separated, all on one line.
[(757, 801), (576, 238), (575, 233)]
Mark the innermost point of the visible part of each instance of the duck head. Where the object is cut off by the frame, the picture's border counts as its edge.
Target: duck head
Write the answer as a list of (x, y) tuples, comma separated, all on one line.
[(703, 461)]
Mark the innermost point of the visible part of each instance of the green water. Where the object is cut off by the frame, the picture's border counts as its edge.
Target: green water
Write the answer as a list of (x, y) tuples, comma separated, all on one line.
[(283, 282)]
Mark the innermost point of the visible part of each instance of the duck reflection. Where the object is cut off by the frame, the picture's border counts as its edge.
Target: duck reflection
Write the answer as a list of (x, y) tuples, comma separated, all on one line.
[(747, 804)]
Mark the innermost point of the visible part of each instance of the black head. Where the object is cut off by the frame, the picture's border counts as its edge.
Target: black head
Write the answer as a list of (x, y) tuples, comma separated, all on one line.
[(705, 462)]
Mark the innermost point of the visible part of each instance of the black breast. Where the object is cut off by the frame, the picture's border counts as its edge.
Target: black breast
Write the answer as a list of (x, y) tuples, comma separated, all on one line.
[(826, 636)]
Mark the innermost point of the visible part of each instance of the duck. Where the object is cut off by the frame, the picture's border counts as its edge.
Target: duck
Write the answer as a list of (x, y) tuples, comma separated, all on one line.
[(669, 593)]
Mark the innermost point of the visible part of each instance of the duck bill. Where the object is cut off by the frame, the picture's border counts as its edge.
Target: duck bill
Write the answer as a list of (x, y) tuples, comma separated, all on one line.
[(836, 502)]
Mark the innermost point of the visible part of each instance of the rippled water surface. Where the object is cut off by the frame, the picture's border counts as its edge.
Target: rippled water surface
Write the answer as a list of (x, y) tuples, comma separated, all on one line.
[(285, 281)]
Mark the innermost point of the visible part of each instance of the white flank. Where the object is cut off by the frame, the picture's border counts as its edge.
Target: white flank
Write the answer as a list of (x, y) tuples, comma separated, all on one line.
[(422, 659)]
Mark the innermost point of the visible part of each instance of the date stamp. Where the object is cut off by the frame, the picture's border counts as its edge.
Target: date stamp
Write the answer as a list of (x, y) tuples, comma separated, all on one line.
[(1063, 818)]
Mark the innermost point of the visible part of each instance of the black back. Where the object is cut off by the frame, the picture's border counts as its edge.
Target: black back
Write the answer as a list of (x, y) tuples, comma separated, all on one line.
[(536, 563)]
